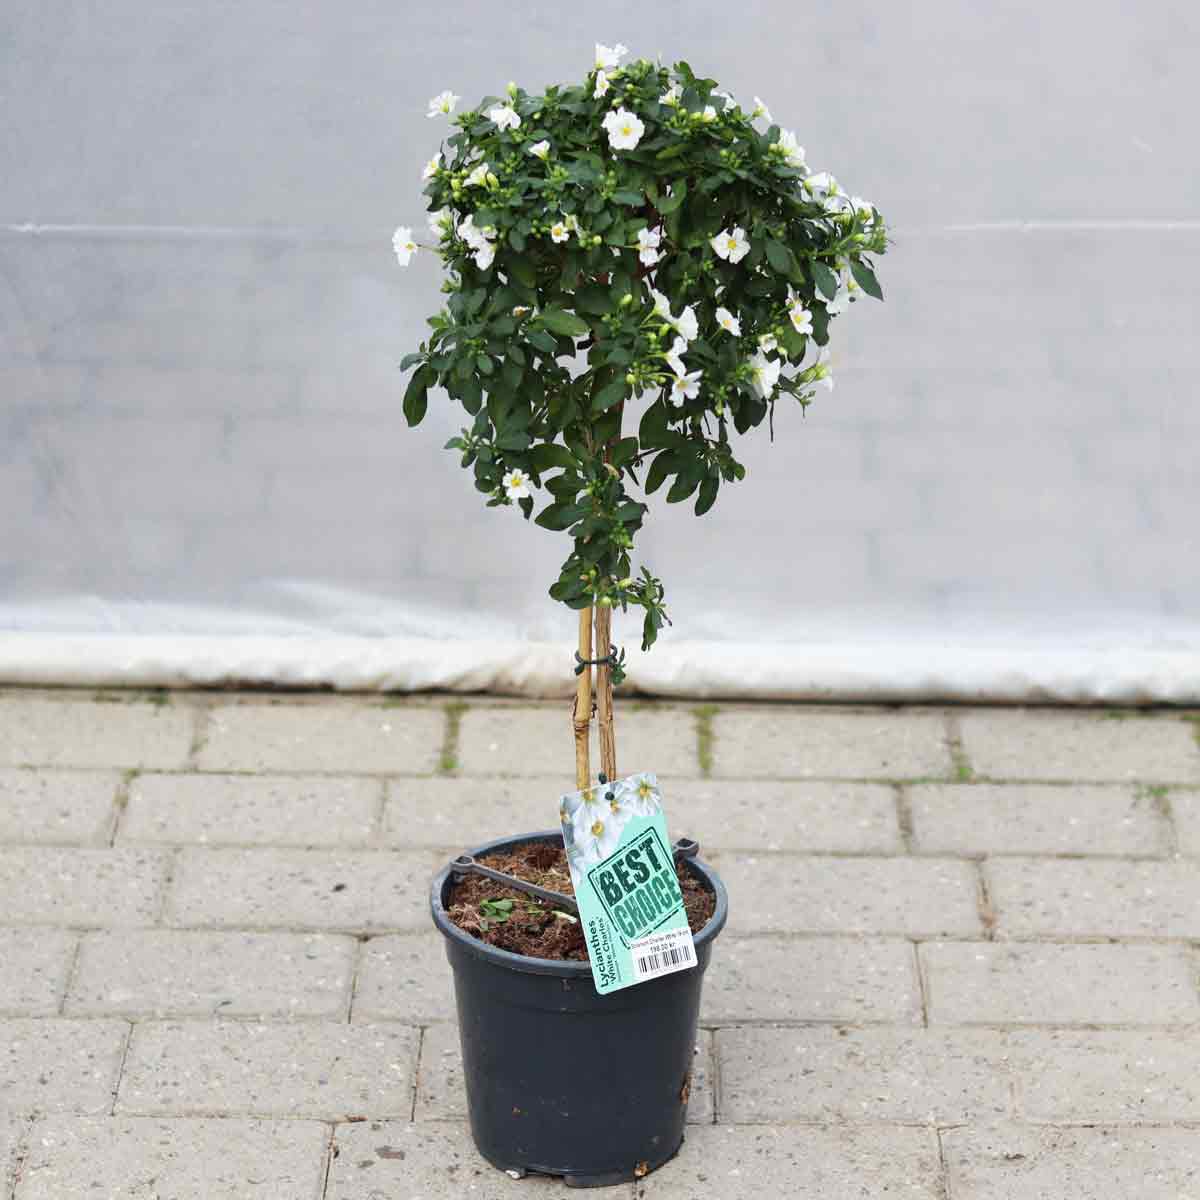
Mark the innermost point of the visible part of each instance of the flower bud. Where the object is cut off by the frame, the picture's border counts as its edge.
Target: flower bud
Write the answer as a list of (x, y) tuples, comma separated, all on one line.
[(630, 378), (626, 300)]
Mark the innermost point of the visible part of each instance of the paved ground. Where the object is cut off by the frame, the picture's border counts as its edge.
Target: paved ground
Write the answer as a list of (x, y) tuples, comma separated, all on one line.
[(961, 960)]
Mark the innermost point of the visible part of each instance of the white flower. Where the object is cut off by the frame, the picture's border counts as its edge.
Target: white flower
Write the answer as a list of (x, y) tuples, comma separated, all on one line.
[(648, 240), (484, 256), (608, 58), (602, 85), (820, 372), (822, 186), (539, 149), (764, 374), (847, 292), (729, 322), (478, 177), (520, 310), (863, 208), (624, 129), (516, 484), (504, 116), (596, 826), (768, 342), (433, 166), (709, 113), (443, 104), (559, 231), (640, 794), (731, 244), (440, 223), (474, 237), (686, 386), (671, 96), (800, 317), (761, 110), (675, 356), (686, 324), (790, 149), (403, 244)]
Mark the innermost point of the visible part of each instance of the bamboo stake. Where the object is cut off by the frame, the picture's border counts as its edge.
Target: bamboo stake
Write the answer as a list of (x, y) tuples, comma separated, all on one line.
[(604, 705), (581, 711)]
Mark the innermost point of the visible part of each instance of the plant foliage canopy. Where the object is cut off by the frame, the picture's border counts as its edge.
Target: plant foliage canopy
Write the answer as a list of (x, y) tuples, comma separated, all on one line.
[(634, 270)]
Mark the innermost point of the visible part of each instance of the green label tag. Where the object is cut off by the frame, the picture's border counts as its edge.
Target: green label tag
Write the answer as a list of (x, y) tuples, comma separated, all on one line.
[(624, 875)]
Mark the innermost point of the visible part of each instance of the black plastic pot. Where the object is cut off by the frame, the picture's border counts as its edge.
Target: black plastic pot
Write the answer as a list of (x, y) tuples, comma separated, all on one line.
[(561, 1080)]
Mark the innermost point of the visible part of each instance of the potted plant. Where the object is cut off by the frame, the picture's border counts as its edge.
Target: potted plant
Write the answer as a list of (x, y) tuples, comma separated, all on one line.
[(637, 266)]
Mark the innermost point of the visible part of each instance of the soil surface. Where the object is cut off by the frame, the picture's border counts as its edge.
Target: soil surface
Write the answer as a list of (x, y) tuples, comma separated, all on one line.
[(531, 927)]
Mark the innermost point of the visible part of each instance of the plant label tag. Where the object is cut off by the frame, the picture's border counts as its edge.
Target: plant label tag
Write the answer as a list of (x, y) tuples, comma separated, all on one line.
[(623, 870)]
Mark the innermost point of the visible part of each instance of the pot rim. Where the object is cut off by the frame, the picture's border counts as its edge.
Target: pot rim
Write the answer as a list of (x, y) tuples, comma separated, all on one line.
[(564, 968)]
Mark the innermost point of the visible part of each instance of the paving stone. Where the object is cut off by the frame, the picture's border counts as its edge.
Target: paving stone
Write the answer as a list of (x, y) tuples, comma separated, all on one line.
[(983, 818), (404, 977), (785, 893), (384, 1160), (177, 973), (105, 888), (250, 810), (141, 1158), (321, 1070), (49, 1065), (458, 814), (34, 964), (747, 1162), (1185, 807), (441, 1094), (337, 738), (1008, 1162), (500, 740), (57, 807), (824, 1074), (302, 889), (90, 733), (12, 1129), (1085, 1078), (1100, 898), (786, 743), (987, 984), (801, 815), (1079, 746), (811, 979)]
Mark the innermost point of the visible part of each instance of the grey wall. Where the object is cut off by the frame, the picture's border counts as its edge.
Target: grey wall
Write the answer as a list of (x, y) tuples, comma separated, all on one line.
[(200, 319)]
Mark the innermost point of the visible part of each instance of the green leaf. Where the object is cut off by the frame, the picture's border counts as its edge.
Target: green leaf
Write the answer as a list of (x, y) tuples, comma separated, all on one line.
[(471, 394), (624, 196), (623, 451), (542, 340), (779, 256), (660, 468), (513, 441), (485, 364), (865, 278), (410, 359), (558, 320), (521, 269), (606, 397), (673, 151), (416, 396), (550, 454), (668, 204), (682, 488), (708, 494), (560, 516), (825, 279)]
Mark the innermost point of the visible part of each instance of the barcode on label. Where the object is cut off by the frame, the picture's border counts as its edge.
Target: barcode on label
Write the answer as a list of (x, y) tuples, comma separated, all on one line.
[(662, 953)]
